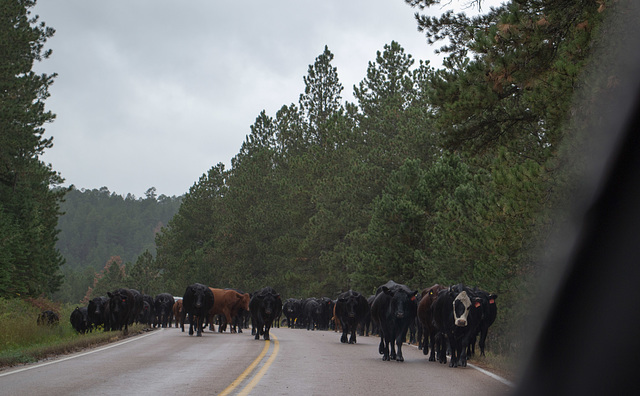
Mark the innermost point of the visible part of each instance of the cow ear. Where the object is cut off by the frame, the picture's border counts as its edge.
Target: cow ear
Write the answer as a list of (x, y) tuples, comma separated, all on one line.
[(387, 291), (109, 294), (477, 302), (493, 296), (278, 296)]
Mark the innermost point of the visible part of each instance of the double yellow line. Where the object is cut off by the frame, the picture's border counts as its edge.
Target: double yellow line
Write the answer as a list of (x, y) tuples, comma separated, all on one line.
[(254, 381)]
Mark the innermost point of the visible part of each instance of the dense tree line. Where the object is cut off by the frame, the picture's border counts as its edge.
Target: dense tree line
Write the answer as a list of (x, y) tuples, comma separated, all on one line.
[(450, 175), (98, 226), (29, 201)]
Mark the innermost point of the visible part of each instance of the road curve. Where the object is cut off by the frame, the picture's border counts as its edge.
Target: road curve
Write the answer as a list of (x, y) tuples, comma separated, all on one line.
[(294, 362)]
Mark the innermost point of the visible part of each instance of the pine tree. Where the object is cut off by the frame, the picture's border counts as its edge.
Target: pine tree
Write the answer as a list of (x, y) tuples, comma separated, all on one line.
[(29, 201)]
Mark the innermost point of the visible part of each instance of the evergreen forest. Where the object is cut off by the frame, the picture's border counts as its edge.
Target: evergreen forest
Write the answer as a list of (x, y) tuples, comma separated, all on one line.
[(461, 173), (98, 227)]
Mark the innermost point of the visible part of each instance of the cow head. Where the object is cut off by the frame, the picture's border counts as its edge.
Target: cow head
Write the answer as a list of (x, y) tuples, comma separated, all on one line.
[(198, 297), (244, 301), (268, 302), (117, 302), (403, 302), (349, 302), (462, 304)]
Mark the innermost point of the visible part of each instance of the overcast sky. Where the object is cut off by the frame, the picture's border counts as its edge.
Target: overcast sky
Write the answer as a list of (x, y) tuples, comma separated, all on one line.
[(153, 93)]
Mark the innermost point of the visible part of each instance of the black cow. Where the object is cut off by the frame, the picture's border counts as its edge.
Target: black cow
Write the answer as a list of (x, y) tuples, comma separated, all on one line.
[(79, 320), (369, 322), (265, 306), (393, 309), (456, 314), (351, 309), (137, 306), (425, 316), (148, 314), (292, 309), (96, 312), (197, 301), (326, 313), (121, 305), (163, 307), (489, 314), (311, 313), (48, 318)]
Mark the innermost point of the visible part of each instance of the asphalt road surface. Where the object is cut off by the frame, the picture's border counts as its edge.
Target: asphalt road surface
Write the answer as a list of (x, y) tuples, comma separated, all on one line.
[(294, 362)]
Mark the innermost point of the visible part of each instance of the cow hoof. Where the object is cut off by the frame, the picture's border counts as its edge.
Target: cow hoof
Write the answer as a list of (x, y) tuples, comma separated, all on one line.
[(199, 335), (385, 358), (399, 359)]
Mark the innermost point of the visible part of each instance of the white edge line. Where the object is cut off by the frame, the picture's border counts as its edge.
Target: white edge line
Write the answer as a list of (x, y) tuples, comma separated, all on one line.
[(80, 354), (485, 372), (492, 375)]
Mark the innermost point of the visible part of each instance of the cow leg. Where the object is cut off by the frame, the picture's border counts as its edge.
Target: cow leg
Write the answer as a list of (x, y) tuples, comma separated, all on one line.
[(391, 341), (201, 324), (383, 348), (455, 351), (432, 345), (439, 345), (425, 342), (266, 331), (352, 340), (343, 339), (483, 338), (399, 357)]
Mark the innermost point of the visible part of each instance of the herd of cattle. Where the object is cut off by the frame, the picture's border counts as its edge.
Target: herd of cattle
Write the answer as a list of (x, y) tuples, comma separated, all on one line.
[(446, 320)]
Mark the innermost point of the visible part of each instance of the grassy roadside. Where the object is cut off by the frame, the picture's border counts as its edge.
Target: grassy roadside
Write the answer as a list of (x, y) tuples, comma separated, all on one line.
[(23, 341), (497, 364), (79, 342)]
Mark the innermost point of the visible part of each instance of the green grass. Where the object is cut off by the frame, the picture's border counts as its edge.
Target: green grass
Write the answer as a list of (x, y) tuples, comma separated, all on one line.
[(23, 341)]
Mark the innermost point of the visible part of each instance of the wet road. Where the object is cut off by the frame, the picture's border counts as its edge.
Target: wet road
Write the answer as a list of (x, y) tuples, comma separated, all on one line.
[(294, 362)]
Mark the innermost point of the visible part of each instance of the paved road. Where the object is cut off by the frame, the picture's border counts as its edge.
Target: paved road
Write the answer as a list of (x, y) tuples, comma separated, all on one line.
[(294, 362)]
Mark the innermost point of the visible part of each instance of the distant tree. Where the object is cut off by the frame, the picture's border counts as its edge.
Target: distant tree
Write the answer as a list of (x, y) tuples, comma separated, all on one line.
[(111, 277), (143, 275), (29, 201)]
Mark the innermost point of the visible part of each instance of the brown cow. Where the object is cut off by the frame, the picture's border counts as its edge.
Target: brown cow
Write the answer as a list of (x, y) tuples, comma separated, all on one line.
[(177, 312), (425, 315), (227, 303)]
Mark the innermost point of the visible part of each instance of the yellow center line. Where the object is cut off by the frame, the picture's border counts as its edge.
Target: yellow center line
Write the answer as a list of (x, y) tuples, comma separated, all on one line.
[(246, 372), (263, 370)]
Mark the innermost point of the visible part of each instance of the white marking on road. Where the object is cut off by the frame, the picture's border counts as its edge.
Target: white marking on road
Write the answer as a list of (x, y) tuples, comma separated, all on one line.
[(492, 375), (485, 372)]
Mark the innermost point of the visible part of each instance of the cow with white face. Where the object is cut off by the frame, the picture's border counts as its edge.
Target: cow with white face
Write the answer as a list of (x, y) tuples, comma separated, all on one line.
[(456, 314), (461, 307)]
